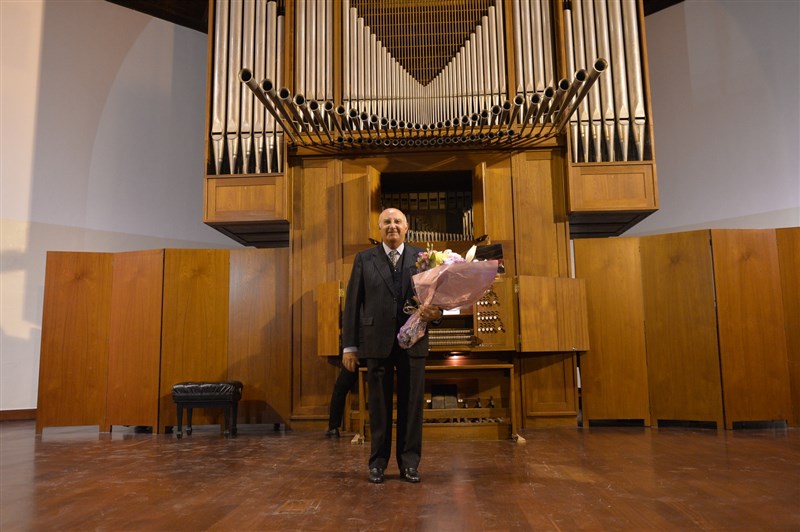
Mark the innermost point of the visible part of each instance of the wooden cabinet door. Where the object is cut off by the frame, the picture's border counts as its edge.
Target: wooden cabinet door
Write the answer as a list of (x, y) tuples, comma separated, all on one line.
[(552, 314), (329, 297), (681, 328), (194, 336), (614, 370), (135, 340), (750, 318), (73, 365)]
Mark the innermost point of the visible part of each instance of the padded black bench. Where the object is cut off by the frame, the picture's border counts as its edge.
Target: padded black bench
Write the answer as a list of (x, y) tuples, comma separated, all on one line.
[(191, 395)]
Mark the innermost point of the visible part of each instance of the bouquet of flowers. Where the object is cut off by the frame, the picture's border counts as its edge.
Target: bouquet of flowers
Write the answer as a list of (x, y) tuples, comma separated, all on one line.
[(448, 281)]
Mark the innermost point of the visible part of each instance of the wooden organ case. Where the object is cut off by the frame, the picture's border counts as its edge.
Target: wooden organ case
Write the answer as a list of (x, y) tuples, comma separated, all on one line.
[(522, 124)]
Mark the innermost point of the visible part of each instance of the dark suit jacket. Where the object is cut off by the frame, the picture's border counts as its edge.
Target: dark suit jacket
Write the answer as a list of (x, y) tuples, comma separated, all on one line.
[(370, 321)]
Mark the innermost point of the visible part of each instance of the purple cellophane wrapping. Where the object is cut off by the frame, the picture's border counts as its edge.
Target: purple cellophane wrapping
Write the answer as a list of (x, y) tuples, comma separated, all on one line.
[(447, 286)]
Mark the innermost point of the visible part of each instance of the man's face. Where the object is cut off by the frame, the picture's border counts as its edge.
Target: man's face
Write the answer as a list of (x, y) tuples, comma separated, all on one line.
[(393, 226)]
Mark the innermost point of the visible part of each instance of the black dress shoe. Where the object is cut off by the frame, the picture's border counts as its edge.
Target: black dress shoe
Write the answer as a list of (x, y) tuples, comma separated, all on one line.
[(410, 474), (376, 475), (332, 433)]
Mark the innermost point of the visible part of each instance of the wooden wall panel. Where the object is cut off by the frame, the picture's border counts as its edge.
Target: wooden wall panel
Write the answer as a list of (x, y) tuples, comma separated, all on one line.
[(361, 195), (540, 251), (493, 207), (135, 338), (329, 296), (552, 314), (549, 391), (260, 333), (194, 338), (750, 314), (241, 199), (789, 260), (614, 370), (316, 259), (73, 363), (681, 328), (601, 187)]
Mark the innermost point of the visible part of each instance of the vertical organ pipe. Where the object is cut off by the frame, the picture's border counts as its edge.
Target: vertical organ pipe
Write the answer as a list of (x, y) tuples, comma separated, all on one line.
[(633, 62), (619, 74), (299, 47), (279, 136), (248, 57), (272, 126), (517, 25), (547, 42), (538, 42), (219, 83), (595, 122), (234, 88), (259, 69), (606, 81), (582, 118)]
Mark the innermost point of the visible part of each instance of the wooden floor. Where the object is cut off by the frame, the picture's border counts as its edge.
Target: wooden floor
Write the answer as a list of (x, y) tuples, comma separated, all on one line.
[(561, 479)]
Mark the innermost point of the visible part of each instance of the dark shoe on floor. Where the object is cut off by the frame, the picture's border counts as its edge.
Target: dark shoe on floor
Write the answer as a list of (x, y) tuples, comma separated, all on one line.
[(332, 433), (376, 475), (410, 474)]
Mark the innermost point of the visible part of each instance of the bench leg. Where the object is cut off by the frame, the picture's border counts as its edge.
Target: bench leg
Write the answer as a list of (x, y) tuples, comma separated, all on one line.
[(234, 417), (226, 430), (188, 420), (180, 421)]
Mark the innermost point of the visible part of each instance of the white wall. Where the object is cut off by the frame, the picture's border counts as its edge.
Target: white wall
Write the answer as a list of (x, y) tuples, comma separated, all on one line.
[(101, 149), (725, 81)]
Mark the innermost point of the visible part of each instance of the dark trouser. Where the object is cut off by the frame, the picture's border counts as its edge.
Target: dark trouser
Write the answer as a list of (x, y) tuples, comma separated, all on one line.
[(344, 383), (410, 402)]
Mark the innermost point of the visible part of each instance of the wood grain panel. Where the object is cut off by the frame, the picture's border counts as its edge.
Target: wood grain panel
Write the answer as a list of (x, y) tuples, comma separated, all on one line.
[(614, 370), (243, 199), (788, 240), (573, 324), (549, 391), (552, 314), (494, 211), (539, 249), (135, 339), (538, 314), (752, 338), (328, 298), (260, 333), (681, 328), (361, 204), (73, 363), (317, 242), (608, 187), (194, 339)]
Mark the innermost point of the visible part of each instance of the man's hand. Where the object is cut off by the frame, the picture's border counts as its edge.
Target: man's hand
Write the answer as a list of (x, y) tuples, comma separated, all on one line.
[(350, 361), (430, 313)]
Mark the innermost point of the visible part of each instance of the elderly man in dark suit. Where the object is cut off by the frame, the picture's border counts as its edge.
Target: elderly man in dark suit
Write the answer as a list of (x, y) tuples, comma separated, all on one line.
[(380, 286)]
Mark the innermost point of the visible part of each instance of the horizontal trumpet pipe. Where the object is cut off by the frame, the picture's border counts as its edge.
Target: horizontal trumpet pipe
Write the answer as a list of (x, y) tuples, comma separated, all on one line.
[(269, 90)]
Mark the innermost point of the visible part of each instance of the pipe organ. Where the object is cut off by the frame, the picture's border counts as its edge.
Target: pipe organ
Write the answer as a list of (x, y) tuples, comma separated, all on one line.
[(382, 75), (527, 120)]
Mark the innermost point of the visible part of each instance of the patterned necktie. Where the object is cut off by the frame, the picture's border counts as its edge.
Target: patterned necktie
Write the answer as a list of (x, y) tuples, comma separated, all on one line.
[(394, 256)]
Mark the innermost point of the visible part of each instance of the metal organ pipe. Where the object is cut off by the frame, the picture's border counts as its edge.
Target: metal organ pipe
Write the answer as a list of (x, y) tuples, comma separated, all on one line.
[(594, 115), (466, 101), (620, 74), (259, 60), (633, 62), (248, 58), (220, 71)]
